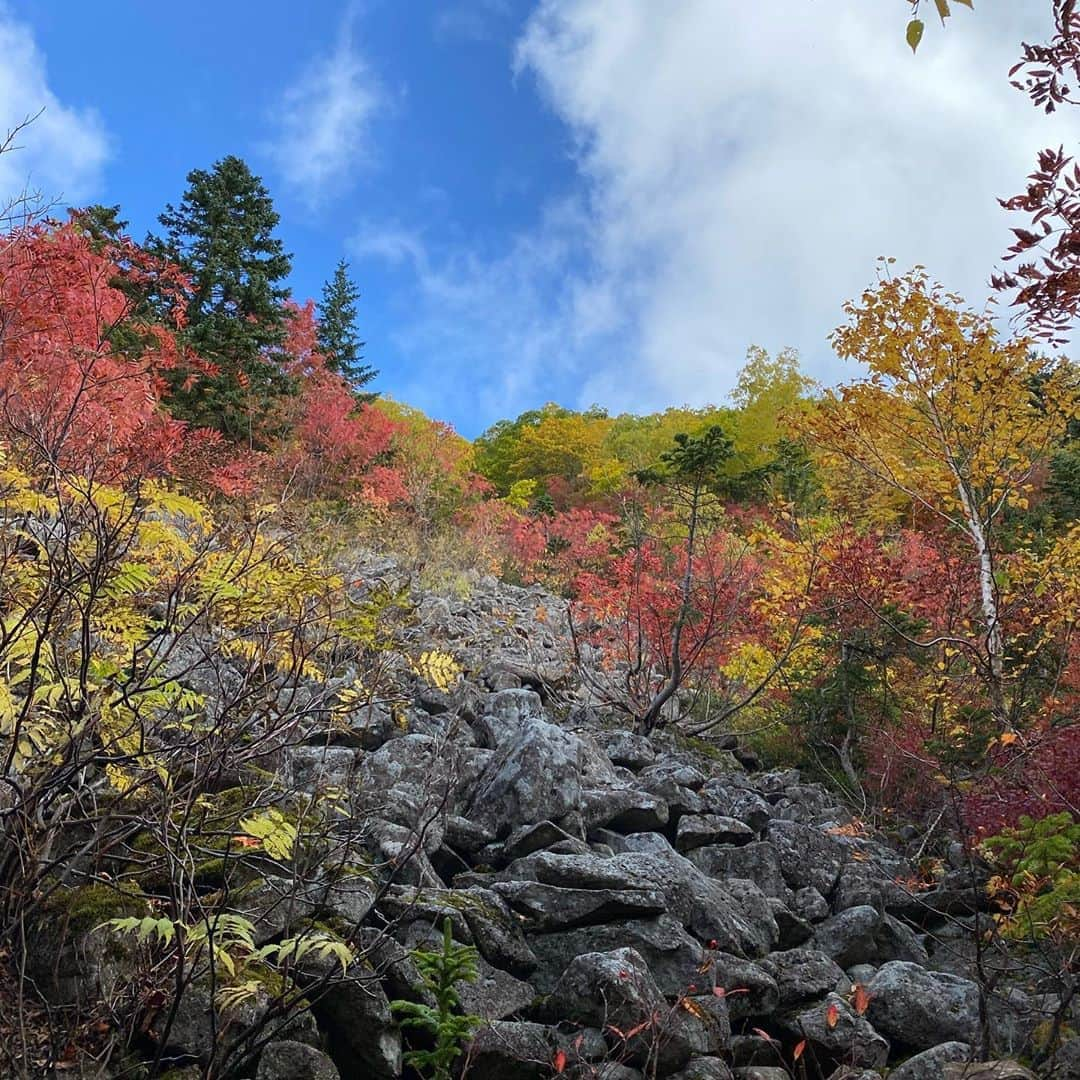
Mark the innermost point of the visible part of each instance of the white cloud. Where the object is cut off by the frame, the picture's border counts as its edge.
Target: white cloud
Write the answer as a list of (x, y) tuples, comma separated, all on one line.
[(323, 122), (470, 20), (746, 166), (482, 335), (394, 244), (63, 151), (741, 166)]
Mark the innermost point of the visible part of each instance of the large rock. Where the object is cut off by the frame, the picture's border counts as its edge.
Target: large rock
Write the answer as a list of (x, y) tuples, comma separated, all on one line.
[(520, 1050), (408, 781), (703, 1068), (535, 776), (696, 830), (803, 975), (314, 768), (495, 994), (614, 991), (1064, 1064), (749, 990), (863, 935), (552, 907), (72, 958), (505, 714), (759, 862), (628, 750), (809, 857), (496, 930), (930, 1064), (835, 1029), (918, 1009), (794, 930), (742, 803), (287, 1060), (702, 905), (623, 809), (878, 883), (670, 953), (353, 1010), (988, 1070)]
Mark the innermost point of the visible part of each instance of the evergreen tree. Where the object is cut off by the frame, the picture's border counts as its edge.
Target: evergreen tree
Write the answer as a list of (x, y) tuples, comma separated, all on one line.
[(338, 340), (101, 223), (222, 236)]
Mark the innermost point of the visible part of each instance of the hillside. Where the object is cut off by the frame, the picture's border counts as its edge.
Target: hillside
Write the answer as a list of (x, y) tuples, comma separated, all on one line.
[(729, 741), (631, 906)]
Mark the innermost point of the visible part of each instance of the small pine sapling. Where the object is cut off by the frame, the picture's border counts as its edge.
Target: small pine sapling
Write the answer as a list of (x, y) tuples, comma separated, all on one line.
[(441, 970)]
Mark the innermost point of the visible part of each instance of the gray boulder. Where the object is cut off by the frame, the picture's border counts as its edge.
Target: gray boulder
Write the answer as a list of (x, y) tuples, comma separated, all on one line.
[(287, 1060), (313, 768), (520, 1050), (353, 1010), (863, 935), (759, 862), (534, 776), (809, 857), (741, 803), (495, 994), (835, 1029), (504, 715), (696, 830), (703, 1069), (803, 975), (623, 809), (703, 906), (670, 953), (930, 1064), (496, 930), (918, 1009), (552, 907), (749, 990), (629, 750), (614, 991), (810, 905)]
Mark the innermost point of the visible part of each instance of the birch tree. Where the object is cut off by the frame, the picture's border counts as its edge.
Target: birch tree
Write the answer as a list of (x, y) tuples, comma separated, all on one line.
[(954, 418)]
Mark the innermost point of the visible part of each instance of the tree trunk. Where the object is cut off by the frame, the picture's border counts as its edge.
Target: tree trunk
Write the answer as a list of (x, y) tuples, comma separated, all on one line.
[(995, 642), (651, 719)]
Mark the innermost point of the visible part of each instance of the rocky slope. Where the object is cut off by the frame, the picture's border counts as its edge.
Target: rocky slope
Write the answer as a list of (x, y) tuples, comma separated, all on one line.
[(640, 907)]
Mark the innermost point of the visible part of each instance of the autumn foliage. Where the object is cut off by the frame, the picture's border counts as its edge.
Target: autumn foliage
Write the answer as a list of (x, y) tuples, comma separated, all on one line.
[(868, 581), (80, 373)]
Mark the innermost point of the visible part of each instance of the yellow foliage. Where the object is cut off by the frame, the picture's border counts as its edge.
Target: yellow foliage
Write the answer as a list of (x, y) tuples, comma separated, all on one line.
[(438, 669)]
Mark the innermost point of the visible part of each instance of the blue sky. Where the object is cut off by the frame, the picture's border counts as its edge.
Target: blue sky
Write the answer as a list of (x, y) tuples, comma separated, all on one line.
[(574, 200)]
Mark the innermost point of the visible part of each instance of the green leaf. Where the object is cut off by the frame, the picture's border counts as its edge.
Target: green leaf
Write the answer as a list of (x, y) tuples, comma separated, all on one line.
[(914, 33), (942, 8), (967, 4)]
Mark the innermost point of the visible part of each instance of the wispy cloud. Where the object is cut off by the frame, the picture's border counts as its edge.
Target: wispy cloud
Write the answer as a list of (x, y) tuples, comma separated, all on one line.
[(739, 173), (470, 20), (65, 149), (323, 122)]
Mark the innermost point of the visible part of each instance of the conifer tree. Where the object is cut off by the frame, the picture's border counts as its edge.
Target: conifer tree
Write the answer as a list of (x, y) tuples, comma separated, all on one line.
[(339, 342), (222, 236)]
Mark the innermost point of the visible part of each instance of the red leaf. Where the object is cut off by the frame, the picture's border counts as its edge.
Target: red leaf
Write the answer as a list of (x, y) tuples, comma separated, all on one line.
[(559, 1063), (832, 1016), (799, 1048)]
